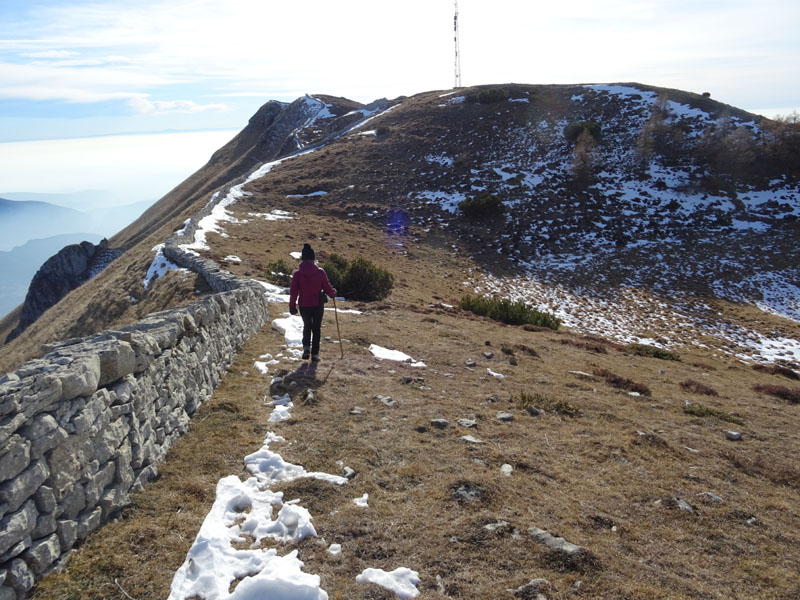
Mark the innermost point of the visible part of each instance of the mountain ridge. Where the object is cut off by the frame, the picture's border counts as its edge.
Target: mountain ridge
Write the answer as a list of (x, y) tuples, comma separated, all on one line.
[(554, 211)]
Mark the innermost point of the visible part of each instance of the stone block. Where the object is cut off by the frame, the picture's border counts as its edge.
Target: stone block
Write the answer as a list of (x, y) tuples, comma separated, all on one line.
[(19, 576), (45, 499), (98, 482), (17, 525), (15, 457), (113, 501), (81, 377), (44, 434), (88, 522), (116, 361), (16, 549), (15, 492), (145, 475), (43, 554), (73, 503), (45, 392), (110, 438), (10, 396), (123, 390), (67, 463), (67, 410), (85, 419), (67, 533), (45, 525), (118, 410), (124, 475)]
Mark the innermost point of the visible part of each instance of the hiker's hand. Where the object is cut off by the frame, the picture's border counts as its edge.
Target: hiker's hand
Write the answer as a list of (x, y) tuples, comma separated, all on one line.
[(292, 310)]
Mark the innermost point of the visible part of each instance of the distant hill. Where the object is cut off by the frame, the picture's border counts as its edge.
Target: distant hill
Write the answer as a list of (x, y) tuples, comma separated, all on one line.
[(21, 221)]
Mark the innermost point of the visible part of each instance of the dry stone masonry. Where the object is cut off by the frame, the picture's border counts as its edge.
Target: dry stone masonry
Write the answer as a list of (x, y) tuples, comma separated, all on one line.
[(88, 423)]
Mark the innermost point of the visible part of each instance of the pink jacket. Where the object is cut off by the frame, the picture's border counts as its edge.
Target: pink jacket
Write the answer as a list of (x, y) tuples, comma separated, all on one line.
[(307, 282)]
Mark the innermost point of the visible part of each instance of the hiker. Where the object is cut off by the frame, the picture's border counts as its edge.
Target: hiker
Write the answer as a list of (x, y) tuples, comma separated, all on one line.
[(308, 289)]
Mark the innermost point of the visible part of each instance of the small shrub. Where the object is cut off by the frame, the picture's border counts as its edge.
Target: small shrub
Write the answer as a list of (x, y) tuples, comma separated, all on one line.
[(526, 350), (358, 279), (779, 391), (652, 351), (704, 366), (482, 206), (695, 387), (530, 402), (279, 273), (506, 311), (622, 383), (771, 468), (488, 96), (698, 410), (574, 130), (776, 370), (589, 346)]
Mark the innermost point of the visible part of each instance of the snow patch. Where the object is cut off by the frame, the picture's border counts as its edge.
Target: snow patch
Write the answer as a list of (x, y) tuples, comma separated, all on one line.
[(402, 581), (382, 353)]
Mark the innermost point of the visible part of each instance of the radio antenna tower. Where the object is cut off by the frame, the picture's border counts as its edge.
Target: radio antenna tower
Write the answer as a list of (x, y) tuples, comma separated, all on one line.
[(458, 51)]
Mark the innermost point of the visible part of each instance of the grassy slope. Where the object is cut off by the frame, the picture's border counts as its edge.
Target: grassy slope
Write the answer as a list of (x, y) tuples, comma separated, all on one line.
[(618, 462)]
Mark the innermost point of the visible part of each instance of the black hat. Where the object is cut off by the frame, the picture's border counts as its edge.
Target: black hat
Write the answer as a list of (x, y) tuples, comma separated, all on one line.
[(307, 253)]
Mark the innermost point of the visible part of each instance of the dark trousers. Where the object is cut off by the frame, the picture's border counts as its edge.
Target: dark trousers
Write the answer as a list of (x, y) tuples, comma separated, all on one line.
[(312, 324)]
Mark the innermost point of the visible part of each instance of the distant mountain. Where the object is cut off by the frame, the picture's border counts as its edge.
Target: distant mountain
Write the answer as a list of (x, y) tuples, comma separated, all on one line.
[(21, 221), (18, 266), (24, 220)]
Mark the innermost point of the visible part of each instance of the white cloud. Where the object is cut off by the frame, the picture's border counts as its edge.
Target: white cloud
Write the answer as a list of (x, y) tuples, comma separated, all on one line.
[(143, 105), (50, 54), (237, 47)]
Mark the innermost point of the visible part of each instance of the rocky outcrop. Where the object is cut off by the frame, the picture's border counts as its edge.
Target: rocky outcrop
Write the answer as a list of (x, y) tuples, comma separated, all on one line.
[(71, 267)]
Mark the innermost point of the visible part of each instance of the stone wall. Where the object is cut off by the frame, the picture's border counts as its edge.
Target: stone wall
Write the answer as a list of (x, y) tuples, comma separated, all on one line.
[(86, 424)]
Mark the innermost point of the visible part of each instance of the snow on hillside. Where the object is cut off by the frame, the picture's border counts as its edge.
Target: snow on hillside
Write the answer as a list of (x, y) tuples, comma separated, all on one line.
[(644, 221), (586, 255)]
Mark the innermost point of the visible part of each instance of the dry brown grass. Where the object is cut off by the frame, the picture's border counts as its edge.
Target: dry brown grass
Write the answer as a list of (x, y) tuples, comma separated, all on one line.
[(618, 463)]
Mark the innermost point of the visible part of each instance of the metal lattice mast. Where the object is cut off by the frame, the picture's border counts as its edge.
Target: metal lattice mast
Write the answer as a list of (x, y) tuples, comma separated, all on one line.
[(458, 51)]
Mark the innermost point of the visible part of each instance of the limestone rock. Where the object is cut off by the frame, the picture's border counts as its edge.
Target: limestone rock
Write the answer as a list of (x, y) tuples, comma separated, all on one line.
[(69, 268), (15, 458)]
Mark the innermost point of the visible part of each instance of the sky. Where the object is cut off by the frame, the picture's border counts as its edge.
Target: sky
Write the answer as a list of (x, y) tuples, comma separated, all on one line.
[(79, 68)]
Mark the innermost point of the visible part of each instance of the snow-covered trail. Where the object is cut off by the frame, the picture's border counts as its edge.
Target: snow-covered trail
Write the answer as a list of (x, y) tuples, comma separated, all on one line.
[(244, 511)]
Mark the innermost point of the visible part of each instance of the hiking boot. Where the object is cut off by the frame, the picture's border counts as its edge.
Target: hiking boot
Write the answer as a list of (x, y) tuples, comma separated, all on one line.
[(306, 352), (315, 357)]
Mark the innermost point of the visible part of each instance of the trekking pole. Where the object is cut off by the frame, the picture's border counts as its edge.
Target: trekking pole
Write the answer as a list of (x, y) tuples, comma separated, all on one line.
[(336, 314)]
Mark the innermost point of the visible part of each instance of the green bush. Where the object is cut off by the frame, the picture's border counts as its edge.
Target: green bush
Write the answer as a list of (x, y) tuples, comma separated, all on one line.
[(698, 410), (574, 130), (488, 96), (506, 311), (279, 273), (652, 351), (622, 383), (481, 206), (358, 279)]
